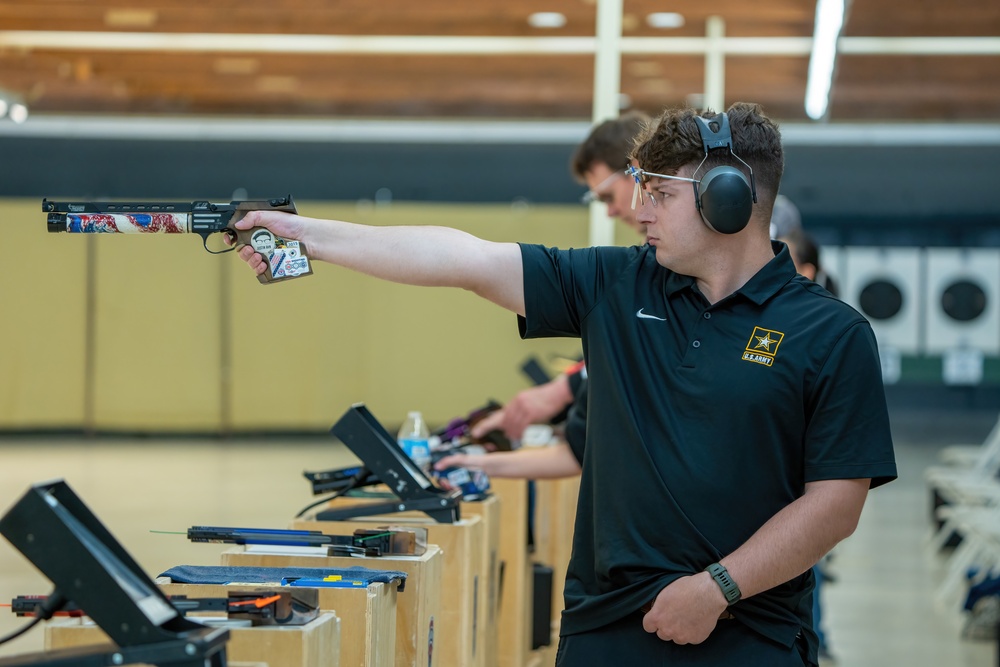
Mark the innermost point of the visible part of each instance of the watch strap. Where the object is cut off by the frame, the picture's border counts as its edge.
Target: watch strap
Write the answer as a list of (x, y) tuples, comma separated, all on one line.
[(729, 588)]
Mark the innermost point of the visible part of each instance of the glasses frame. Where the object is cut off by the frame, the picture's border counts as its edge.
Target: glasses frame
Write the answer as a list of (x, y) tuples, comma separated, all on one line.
[(641, 174)]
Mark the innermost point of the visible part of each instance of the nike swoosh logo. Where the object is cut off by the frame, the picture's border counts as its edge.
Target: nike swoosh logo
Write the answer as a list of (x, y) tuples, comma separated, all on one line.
[(643, 316)]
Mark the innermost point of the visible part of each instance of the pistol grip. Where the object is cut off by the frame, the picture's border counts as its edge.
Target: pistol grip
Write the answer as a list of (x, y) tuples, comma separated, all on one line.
[(285, 259)]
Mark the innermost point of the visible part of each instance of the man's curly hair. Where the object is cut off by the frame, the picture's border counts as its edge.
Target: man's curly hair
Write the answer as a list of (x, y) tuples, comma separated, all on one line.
[(672, 141)]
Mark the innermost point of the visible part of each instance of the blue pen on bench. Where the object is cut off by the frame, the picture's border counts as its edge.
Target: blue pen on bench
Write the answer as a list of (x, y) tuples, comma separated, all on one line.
[(331, 581)]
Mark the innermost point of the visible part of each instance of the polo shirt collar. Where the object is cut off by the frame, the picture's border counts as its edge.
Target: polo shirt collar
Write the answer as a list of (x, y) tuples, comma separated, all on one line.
[(764, 284), (772, 277)]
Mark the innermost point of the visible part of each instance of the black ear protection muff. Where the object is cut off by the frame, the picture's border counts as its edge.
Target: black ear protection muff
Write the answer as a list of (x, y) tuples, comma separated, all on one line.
[(724, 196)]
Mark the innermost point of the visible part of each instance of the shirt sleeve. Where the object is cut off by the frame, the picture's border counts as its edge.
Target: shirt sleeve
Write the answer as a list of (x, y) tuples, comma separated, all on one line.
[(848, 435), (562, 286)]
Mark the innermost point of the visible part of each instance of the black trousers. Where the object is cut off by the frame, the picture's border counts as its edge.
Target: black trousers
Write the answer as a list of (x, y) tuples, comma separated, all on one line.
[(625, 643)]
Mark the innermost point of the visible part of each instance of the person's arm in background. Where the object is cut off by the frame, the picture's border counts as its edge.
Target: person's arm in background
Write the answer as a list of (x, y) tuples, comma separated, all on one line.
[(428, 256), (562, 459), (537, 405), (554, 461)]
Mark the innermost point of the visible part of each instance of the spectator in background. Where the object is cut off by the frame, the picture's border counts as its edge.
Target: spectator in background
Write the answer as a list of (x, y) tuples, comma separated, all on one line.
[(785, 218), (806, 255), (600, 162)]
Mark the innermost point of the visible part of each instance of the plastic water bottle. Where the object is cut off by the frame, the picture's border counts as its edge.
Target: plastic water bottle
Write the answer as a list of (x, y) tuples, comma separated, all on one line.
[(414, 438)]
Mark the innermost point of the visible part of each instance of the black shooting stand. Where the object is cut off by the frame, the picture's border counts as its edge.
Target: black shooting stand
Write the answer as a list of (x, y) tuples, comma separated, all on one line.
[(52, 527), (381, 455)]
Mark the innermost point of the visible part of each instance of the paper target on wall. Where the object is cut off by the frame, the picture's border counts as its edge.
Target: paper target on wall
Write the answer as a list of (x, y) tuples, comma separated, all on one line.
[(883, 284), (963, 289)]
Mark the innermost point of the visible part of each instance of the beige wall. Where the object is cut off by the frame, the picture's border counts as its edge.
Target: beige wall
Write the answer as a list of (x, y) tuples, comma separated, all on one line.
[(303, 351)]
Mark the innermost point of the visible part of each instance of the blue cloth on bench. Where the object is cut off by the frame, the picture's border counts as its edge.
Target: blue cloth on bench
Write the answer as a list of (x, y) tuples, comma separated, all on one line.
[(217, 574)]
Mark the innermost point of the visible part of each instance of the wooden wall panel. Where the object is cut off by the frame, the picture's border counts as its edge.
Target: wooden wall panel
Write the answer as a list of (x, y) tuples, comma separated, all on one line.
[(158, 330), (42, 337)]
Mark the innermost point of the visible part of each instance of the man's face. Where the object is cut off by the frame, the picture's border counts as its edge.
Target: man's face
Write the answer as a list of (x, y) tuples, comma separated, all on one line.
[(613, 188), (672, 223)]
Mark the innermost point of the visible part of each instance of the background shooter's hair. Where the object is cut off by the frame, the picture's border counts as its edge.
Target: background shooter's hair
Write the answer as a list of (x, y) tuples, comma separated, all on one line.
[(609, 142)]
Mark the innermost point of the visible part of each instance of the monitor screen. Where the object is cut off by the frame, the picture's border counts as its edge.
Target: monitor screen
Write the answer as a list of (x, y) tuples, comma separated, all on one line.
[(59, 534), (379, 451)]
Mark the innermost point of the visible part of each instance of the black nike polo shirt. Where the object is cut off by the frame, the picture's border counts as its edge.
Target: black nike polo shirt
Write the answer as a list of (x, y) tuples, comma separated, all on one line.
[(703, 420)]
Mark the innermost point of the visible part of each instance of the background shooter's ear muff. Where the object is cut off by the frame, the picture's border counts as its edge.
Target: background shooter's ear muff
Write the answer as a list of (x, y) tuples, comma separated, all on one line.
[(723, 196)]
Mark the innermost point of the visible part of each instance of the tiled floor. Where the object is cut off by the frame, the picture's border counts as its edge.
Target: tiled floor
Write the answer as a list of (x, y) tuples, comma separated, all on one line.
[(880, 613)]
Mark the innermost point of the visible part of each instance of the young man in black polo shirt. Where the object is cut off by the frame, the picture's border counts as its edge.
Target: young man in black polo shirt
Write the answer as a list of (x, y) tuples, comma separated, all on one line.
[(736, 415)]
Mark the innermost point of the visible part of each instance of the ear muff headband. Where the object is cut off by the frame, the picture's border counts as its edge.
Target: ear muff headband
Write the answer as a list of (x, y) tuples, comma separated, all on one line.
[(724, 196)]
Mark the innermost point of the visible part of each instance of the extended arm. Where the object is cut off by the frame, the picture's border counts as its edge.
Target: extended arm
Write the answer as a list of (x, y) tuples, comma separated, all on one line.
[(534, 463), (430, 256), (791, 542), (531, 406)]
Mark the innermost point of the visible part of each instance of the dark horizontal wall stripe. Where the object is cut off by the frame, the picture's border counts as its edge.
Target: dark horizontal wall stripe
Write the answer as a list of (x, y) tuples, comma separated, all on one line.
[(323, 171), (881, 195)]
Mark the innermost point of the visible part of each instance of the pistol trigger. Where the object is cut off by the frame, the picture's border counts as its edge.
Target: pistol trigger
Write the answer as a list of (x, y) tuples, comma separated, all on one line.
[(230, 234)]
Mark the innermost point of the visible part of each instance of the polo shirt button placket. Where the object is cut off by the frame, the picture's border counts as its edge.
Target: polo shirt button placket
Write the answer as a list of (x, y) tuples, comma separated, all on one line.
[(708, 316)]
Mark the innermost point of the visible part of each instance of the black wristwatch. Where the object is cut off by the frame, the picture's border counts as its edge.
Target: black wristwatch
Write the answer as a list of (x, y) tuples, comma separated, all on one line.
[(729, 588)]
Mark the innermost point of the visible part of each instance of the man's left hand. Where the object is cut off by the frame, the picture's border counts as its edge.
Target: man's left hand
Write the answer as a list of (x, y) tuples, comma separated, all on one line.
[(686, 611)]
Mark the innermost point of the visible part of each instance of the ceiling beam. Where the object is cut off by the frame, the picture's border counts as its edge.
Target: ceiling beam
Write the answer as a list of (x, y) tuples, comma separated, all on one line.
[(444, 45), (216, 128)]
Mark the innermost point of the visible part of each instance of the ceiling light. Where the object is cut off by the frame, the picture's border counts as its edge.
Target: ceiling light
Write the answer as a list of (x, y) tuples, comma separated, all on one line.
[(665, 20), (644, 68), (277, 84), (235, 65), (657, 88), (18, 112), (130, 18), (829, 21), (547, 20)]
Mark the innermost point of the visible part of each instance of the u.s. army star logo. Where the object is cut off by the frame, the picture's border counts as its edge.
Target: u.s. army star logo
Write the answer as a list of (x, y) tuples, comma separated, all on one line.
[(763, 346)]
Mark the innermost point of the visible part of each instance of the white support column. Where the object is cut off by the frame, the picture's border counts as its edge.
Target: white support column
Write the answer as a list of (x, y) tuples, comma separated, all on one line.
[(715, 64), (607, 90)]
